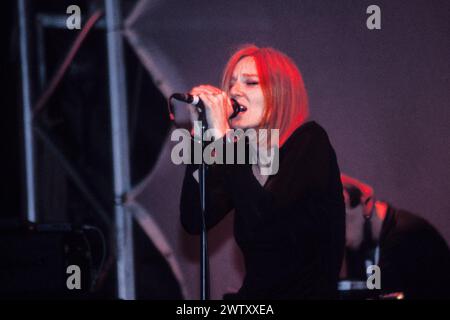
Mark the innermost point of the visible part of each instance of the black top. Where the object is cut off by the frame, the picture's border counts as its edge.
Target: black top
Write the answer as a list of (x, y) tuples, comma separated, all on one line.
[(414, 258), (292, 230)]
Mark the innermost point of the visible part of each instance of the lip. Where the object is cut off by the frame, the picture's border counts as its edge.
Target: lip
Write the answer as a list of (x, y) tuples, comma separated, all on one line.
[(242, 104), (238, 117)]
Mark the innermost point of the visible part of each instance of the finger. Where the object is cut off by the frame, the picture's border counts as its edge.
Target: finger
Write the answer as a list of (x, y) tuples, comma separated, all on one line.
[(196, 91), (227, 103), (210, 88), (227, 99), (205, 97), (205, 89), (213, 89), (212, 102), (219, 101)]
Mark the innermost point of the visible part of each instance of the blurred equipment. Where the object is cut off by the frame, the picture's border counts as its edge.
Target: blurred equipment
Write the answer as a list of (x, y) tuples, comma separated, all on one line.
[(36, 257), (412, 257), (356, 290)]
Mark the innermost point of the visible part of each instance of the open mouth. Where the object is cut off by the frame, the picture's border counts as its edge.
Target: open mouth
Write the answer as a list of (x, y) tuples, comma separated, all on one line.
[(238, 108), (242, 104)]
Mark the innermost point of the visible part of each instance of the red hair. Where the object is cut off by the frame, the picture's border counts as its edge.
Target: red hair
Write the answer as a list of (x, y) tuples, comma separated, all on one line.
[(286, 101)]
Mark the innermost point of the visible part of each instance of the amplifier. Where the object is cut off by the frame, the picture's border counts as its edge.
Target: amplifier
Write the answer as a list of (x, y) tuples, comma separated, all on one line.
[(44, 261)]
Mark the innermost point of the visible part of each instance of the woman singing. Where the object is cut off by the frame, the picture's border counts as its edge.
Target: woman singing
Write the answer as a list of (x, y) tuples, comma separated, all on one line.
[(290, 225)]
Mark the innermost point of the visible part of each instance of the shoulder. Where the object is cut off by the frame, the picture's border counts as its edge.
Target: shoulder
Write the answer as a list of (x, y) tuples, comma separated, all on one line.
[(415, 228), (408, 222), (311, 128), (309, 134)]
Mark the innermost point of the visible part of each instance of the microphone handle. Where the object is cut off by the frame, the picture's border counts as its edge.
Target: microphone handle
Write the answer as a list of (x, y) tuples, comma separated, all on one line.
[(196, 101), (236, 109)]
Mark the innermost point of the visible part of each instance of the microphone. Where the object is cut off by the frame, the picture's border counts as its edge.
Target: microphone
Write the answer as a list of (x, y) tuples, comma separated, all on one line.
[(188, 98), (196, 101)]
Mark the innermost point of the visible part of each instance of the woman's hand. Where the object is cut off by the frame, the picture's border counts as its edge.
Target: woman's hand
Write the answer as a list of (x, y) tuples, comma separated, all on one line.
[(217, 107)]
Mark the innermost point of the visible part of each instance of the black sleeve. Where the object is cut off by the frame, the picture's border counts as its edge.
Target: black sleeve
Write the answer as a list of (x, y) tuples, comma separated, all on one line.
[(218, 202)]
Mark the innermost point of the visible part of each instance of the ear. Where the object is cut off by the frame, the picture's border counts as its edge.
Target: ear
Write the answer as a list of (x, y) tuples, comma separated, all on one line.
[(368, 206), (346, 197)]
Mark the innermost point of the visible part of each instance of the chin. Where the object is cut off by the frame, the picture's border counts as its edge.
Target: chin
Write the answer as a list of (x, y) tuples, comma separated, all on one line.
[(242, 124), (353, 245), (237, 124)]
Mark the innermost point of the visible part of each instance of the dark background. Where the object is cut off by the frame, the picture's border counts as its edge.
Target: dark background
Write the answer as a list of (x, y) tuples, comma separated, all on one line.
[(75, 134)]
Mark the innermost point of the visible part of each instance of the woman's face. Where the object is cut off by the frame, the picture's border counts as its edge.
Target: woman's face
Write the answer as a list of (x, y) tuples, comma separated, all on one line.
[(246, 90)]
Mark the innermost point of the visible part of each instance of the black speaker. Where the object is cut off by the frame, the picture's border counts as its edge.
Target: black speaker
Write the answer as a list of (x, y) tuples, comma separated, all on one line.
[(44, 261)]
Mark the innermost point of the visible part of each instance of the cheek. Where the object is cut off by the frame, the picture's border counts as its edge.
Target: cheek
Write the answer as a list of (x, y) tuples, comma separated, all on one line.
[(260, 102), (257, 106), (260, 110), (354, 236), (353, 228)]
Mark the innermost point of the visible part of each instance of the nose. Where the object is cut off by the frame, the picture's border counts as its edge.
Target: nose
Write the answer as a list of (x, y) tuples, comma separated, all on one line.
[(235, 90)]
